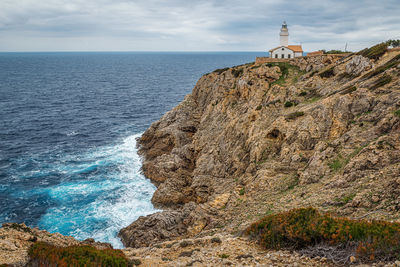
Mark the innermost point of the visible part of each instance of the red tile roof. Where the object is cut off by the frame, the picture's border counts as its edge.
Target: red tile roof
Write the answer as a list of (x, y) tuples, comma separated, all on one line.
[(315, 53), (295, 48)]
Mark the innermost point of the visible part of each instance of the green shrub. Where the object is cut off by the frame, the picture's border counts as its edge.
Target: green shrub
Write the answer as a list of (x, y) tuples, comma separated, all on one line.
[(336, 164), (385, 79), (289, 104), (345, 199), (259, 107), (394, 43), (242, 191), (237, 72), (303, 93), (375, 51), (224, 256), (397, 113), (294, 115), (48, 255), (284, 67), (306, 227), (18, 227), (327, 73), (219, 71), (335, 52)]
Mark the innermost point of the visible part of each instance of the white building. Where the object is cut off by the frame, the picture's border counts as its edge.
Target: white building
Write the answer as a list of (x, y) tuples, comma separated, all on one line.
[(285, 50)]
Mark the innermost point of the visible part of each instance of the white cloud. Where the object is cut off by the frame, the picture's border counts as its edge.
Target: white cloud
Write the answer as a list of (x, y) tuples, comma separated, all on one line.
[(193, 25)]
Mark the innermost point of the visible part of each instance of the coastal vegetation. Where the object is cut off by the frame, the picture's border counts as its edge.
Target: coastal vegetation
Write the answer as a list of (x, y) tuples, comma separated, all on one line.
[(393, 43), (289, 104), (307, 227), (334, 52), (375, 51), (237, 72), (287, 70), (43, 254), (294, 115), (219, 71)]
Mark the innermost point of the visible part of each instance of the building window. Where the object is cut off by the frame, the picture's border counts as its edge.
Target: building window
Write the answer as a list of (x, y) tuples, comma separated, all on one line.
[(288, 56), (283, 56), (276, 55)]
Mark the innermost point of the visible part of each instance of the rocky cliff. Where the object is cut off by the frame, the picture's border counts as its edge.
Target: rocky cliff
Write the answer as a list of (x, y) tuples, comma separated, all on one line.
[(320, 131), (253, 140)]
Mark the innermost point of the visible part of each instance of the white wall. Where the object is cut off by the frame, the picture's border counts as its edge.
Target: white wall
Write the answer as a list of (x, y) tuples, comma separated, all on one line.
[(284, 39), (298, 54), (282, 51)]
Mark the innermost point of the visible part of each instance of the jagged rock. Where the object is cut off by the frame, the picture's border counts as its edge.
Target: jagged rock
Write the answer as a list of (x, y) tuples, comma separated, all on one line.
[(156, 227), (233, 144), (357, 65), (272, 73)]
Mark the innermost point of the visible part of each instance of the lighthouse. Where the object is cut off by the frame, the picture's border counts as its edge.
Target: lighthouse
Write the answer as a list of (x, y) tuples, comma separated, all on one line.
[(284, 50), (284, 35)]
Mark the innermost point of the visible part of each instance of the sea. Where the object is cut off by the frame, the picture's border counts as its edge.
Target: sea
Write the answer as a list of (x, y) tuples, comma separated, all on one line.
[(69, 122)]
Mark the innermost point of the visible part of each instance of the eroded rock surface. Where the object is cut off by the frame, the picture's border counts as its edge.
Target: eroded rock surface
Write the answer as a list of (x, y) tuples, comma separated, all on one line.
[(357, 65), (158, 226), (249, 141)]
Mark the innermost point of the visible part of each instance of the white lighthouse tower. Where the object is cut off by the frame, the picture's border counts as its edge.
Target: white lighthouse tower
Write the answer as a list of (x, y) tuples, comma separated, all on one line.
[(284, 50), (284, 35)]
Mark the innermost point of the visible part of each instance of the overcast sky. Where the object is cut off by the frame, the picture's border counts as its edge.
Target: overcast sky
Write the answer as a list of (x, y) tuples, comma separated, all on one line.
[(185, 25)]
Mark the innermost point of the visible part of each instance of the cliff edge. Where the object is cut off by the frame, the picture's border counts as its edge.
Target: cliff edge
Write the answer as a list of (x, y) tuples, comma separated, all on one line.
[(320, 131)]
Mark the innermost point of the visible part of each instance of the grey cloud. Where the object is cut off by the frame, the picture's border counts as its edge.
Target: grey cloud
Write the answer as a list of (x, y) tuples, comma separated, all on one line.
[(193, 25)]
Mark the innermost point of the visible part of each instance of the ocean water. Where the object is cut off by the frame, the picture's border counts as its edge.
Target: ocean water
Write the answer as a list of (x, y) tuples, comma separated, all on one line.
[(68, 129)]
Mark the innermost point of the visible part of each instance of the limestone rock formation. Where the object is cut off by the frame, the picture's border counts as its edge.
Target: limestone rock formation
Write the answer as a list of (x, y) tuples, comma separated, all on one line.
[(357, 65), (254, 139), (158, 226)]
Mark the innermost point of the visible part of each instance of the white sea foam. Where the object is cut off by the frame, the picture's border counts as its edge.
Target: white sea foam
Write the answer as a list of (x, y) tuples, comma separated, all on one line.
[(106, 201), (72, 133)]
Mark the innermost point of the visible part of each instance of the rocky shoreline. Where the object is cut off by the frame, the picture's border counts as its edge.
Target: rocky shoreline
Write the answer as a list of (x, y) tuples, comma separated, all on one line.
[(252, 140)]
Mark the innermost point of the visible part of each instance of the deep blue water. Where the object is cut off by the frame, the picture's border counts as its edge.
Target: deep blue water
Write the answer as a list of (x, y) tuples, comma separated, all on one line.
[(68, 123)]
